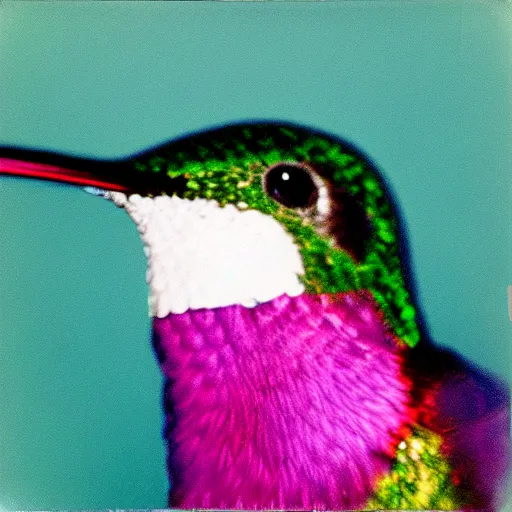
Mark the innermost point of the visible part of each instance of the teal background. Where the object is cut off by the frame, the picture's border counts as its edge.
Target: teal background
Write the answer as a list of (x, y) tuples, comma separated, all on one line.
[(424, 89)]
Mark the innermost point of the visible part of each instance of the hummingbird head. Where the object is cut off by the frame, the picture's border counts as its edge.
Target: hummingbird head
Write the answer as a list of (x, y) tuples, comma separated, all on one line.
[(268, 405), (245, 213)]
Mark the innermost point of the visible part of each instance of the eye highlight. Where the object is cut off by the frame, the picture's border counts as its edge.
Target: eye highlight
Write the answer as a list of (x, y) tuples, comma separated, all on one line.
[(291, 184)]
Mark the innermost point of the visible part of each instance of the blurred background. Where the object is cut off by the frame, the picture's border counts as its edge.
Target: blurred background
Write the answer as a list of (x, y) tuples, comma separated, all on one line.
[(422, 88)]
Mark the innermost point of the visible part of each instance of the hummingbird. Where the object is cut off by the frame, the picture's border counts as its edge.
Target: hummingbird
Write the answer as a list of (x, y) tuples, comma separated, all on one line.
[(299, 373)]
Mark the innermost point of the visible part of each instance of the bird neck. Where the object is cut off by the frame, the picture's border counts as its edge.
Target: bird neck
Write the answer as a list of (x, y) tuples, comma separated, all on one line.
[(298, 390)]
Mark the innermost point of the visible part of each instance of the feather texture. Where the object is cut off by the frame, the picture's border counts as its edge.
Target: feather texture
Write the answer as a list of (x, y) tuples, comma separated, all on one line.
[(295, 403)]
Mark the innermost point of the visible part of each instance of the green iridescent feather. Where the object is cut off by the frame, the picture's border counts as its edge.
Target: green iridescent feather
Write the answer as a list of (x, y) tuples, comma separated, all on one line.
[(420, 477), (228, 165)]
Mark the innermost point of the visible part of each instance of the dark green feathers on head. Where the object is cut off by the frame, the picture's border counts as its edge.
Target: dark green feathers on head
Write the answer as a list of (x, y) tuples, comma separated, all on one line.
[(355, 246)]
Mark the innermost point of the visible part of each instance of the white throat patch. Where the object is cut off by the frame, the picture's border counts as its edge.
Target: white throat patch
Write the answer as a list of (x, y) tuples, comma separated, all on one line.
[(201, 255)]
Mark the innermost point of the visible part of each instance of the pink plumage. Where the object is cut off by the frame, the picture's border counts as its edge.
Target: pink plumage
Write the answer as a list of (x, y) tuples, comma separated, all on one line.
[(293, 404)]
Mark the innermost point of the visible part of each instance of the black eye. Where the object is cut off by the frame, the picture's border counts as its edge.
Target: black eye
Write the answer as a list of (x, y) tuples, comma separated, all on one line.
[(291, 185)]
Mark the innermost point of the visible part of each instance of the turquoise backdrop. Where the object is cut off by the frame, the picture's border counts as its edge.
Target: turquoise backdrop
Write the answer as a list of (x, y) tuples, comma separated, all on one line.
[(423, 88)]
